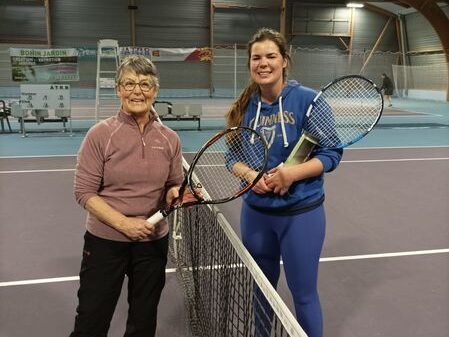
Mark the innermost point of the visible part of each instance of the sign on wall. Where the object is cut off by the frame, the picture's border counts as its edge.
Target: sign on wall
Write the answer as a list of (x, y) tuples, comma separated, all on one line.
[(203, 54), (170, 54), (44, 65), (45, 96)]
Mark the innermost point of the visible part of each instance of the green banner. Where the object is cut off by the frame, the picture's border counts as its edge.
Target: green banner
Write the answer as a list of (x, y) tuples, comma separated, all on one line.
[(44, 65)]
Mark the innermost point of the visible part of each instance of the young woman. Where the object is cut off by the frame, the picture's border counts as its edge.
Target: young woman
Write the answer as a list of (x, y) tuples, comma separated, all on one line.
[(283, 215)]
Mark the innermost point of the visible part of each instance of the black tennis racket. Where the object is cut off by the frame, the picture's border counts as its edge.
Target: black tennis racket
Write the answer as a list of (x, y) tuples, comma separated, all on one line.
[(342, 113), (212, 177)]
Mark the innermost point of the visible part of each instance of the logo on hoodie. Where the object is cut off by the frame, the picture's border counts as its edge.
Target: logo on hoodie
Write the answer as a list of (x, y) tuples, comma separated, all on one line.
[(289, 118), (268, 133)]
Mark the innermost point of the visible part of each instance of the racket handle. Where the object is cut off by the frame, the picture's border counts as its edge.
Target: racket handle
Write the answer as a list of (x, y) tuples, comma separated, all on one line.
[(156, 217)]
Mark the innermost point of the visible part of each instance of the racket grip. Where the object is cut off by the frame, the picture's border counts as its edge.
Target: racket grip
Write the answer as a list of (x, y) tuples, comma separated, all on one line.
[(156, 217)]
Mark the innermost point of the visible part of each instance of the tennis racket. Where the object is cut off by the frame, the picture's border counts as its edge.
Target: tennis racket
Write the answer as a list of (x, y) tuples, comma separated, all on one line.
[(212, 177), (342, 113)]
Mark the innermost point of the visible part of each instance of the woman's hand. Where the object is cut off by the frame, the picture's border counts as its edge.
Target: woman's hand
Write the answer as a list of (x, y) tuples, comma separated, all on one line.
[(136, 228), (260, 187), (279, 179), (172, 194)]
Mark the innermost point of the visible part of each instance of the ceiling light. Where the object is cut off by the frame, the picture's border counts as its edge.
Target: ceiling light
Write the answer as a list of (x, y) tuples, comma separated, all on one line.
[(354, 5)]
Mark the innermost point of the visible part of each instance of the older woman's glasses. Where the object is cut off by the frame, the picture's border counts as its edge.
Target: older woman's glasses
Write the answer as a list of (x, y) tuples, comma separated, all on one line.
[(144, 85)]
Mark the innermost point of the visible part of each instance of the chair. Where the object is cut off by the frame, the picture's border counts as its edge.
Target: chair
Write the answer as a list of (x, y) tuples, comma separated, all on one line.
[(194, 110), (20, 114), (40, 115), (4, 113), (162, 109), (64, 115), (179, 110), (17, 111)]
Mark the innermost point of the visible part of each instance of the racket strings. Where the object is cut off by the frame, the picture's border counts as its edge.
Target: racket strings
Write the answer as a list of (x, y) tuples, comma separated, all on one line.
[(345, 112), (213, 168)]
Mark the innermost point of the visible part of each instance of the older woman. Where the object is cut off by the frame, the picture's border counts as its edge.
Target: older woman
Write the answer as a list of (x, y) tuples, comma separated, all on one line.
[(128, 166)]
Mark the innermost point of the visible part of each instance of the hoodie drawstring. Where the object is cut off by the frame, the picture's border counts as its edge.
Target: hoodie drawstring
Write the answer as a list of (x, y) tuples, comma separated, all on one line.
[(281, 113), (256, 121)]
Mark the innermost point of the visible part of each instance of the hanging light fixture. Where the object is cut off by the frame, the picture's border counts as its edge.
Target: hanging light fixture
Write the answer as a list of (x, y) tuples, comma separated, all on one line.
[(354, 5)]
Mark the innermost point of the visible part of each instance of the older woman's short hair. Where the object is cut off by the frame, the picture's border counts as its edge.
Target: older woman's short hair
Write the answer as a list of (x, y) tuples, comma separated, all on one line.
[(139, 64)]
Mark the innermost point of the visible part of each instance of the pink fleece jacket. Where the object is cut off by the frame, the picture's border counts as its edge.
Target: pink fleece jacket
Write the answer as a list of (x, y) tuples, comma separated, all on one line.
[(130, 170)]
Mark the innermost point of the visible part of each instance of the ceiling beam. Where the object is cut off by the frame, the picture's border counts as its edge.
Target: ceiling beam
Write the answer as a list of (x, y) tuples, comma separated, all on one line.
[(22, 40), (398, 3), (282, 19), (240, 7), (23, 2), (379, 10), (48, 23), (376, 44)]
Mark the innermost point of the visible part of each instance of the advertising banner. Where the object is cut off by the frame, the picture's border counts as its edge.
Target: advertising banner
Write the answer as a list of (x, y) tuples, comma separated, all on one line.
[(170, 54), (44, 65)]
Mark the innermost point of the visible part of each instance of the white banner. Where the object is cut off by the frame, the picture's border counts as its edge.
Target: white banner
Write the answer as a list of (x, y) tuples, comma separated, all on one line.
[(169, 54)]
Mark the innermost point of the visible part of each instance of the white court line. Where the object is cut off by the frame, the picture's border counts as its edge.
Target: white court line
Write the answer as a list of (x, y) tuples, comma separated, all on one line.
[(37, 171), (44, 156), (416, 127), (343, 161), (172, 270), (53, 280), (39, 281), (416, 115), (382, 255), (392, 160), (395, 147), (351, 148)]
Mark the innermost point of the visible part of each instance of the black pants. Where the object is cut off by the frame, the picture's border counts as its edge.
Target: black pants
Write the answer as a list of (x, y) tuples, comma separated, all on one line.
[(103, 268)]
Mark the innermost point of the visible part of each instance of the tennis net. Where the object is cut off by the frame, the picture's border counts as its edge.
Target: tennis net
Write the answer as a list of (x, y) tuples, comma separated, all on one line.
[(226, 294)]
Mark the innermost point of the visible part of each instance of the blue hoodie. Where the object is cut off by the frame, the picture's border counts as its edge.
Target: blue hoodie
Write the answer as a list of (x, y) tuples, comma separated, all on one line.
[(302, 195)]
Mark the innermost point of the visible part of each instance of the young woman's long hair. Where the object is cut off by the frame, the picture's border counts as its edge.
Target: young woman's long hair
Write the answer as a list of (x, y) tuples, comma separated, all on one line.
[(234, 116)]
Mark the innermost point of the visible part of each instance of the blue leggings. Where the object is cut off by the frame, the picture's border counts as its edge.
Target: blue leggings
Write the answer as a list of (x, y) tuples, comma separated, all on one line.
[(299, 240)]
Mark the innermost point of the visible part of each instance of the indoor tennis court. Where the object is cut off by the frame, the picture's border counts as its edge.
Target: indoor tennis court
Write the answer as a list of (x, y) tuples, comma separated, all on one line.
[(384, 267)]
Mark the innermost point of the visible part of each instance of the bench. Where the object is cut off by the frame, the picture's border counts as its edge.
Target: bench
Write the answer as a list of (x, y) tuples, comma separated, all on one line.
[(41, 116), (179, 111)]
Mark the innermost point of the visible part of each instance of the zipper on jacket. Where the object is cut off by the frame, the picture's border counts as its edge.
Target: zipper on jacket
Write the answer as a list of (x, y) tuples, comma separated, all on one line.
[(143, 146), (142, 135)]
